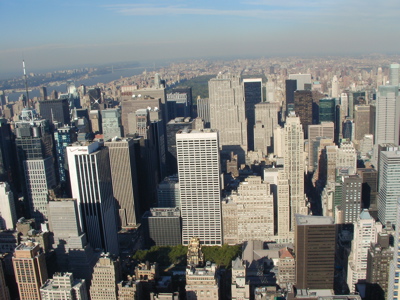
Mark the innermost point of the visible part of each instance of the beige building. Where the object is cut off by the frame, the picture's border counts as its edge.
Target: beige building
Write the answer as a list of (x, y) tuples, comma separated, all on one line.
[(202, 283), (129, 290), (285, 234), (240, 289), (323, 130), (106, 274), (254, 211), (266, 117), (64, 287), (287, 267), (30, 270)]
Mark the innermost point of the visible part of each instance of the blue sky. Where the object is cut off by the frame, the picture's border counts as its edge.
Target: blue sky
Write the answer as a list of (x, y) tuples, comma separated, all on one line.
[(61, 33)]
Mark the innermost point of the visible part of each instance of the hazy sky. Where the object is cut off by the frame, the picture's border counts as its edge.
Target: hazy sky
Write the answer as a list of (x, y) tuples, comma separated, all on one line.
[(62, 33)]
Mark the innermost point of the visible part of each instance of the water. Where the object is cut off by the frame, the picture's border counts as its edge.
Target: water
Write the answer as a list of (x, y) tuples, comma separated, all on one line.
[(106, 78)]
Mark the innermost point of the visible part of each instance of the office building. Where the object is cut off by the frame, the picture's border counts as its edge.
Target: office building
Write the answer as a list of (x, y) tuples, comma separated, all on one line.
[(369, 191), (227, 113), (43, 93), (111, 123), (202, 283), (290, 88), (200, 184), (203, 111), (348, 130), (106, 275), (179, 103), (394, 269), (8, 214), (252, 95), (8, 161), (294, 165), (303, 102), (35, 158), (168, 192), (365, 232), (92, 187), (240, 289), (327, 107), (95, 121), (30, 270), (344, 105), (303, 81), (55, 111), (287, 267), (73, 252), (394, 74), (363, 121), (315, 242), (124, 180), (335, 87), (162, 226), (351, 198), (266, 117), (173, 127), (284, 230), (323, 130), (380, 255), (4, 291), (254, 214), (387, 115), (64, 286), (388, 185)]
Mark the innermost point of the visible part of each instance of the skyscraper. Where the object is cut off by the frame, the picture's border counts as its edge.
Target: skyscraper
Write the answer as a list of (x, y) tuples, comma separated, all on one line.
[(315, 241), (30, 270), (294, 165), (394, 74), (124, 180), (266, 116), (290, 88), (55, 110), (362, 120), (351, 198), (252, 95), (111, 123), (327, 109), (303, 81), (8, 215), (335, 87), (303, 102), (106, 275), (227, 113), (91, 185), (388, 185), (199, 179)]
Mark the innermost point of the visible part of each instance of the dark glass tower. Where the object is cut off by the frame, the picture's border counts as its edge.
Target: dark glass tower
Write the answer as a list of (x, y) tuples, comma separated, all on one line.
[(327, 110), (252, 96)]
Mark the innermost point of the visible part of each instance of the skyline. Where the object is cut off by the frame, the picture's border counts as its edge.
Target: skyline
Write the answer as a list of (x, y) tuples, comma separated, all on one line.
[(57, 34)]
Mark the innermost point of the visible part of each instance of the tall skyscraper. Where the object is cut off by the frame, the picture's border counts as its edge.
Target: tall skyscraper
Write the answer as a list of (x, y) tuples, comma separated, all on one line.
[(303, 81), (327, 109), (387, 121), (124, 180), (266, 117), (363, 121), (303, 102), (111, 123), (394, 74), (227, 113), (290, 88), (394, 271), (55, 110), (30, 270), (388, 185), (335, 87), (294, 165), (91, 185), (4, 291), (365, 232), (169, 193), (200, 184), (8, 215), (351, 198), (35, 157), (179, 103), (252, 95), (323, 130), (203, 111), (315, 242)]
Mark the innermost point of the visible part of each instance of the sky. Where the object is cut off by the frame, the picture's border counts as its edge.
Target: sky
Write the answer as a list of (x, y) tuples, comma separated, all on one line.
[(51, 34)]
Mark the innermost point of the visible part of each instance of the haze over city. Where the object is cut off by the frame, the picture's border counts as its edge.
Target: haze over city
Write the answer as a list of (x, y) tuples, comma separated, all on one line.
[(55, 34)]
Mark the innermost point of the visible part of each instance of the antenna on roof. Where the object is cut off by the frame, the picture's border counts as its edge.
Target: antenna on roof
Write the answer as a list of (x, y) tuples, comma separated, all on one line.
[(26, 84)]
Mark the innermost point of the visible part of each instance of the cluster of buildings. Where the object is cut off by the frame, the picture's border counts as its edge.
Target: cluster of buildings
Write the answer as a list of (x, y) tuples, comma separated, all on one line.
[(305, 177)]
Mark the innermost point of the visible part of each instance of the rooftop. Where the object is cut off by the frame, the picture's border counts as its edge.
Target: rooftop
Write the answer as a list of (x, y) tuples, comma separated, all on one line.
[(313, 220)]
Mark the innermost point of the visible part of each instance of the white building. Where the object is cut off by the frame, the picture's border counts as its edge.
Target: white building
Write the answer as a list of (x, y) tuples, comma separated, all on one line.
[(8, 215), (64, 287), (200, 184), (89, 168), (394, 271), (365, 232)]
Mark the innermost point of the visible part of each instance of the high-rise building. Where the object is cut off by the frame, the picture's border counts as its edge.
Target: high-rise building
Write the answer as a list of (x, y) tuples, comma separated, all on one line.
[(30, 270), (124, 180), (303, 103), (55, 111), (323, 130), (335, 87), (91, 185), (254, 210), (387, 121), (252, 95), (227, 113), (285, 233), (351, 198), (303, 81), (179, 103), (111, 123), (4, 291), (200, 184), (8, 214), (95, 121), (240, 289), (169, 193), (369, 191), (394, 74), (43, 93), (63, 286), (294, 165), (106, 275), (344, 105), (266, 117), (362, 120), (162, 226), (394, 269), (315, 242), (73, 252), (203, 111), (8, 161), (290, 88), (388, 185), (380, 255), (365, 232), (327, 110), (35, 157)]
